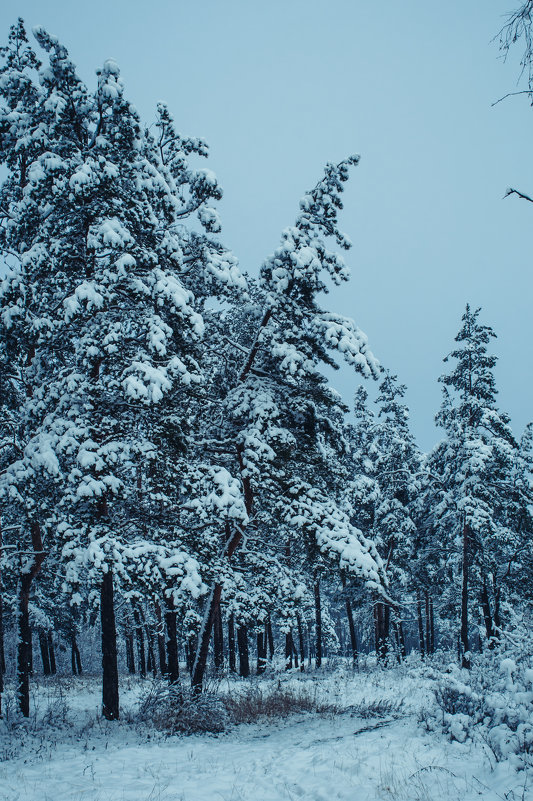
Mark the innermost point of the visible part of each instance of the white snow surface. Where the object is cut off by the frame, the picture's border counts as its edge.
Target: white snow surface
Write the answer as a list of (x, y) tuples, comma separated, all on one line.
[(335, 756)]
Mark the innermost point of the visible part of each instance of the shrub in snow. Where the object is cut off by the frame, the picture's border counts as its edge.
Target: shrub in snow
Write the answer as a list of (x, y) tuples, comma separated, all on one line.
[(173, 710), (492, 703)]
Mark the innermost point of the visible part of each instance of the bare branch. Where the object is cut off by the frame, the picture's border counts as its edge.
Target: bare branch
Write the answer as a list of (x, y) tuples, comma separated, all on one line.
[(512, 94), (511, 191)]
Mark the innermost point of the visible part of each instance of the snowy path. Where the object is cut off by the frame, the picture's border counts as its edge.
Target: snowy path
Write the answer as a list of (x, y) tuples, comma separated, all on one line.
[(319, 759)]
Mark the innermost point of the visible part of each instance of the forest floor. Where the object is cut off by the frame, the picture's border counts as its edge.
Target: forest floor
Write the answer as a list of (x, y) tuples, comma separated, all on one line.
[(365, 740)]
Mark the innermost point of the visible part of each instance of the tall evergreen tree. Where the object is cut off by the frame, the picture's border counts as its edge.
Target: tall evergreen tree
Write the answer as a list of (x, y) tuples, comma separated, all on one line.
[(99, 317), (471, 466)]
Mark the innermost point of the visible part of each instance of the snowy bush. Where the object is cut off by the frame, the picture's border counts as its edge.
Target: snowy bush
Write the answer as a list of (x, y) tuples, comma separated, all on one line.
[(173, 709), (492, 703)]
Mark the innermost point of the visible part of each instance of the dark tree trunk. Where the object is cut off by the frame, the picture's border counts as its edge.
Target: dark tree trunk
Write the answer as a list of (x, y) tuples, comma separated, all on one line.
[(420, 625), (294, 651), (397, 638), (43, 644), (465, 658), (232, 542), (487, 616), (130, 655), (401, 640), (173, 671), (231, 644), (213, 603), (242, 644), (51, 654), (110, 701), (204, 637), (75, 656), (161, 641), (351, 627), (301, 641), (139, 636), (261, 652), (288, 651), (191, 645), (151, 665), (24, 648), (2, 651), (318, 616), (218, 641), (270, 637), (432, 626), (497, 618), (428, 624)]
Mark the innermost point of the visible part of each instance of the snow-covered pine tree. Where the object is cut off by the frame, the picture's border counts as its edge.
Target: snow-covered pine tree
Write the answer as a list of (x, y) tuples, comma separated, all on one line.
[(277, 392), (469, 470), (396, 465), (99, 319)]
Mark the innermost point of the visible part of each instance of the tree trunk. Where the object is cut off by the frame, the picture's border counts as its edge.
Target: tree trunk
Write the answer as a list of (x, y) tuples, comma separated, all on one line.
[(294, 651), (24, 648), (396, 630), (301, 641), (75, 656), (130, 655), (110, 700), (218, 641), (2, 650), (288, 651), (139, 636), (485, 603), (497, 618), (420, 625), (151, 665), (204, 637), (43, 644), (51, 654), (261, 652), (428, 623), (318, 616), (401, 638), (432, 626), (231, 644), (242, 644), (465, 655), (160, 641), (351, 627), (173, 671), (270, 637)]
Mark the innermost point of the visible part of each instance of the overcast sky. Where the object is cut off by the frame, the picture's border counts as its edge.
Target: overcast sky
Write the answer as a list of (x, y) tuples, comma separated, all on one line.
[(280, 87)]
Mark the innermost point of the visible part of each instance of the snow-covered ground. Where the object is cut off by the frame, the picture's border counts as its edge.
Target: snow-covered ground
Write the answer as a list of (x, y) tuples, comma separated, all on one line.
[(76, 756)]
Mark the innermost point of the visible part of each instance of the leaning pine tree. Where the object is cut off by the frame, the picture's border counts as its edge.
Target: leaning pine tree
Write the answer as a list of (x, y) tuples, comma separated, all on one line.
[(279, 384)]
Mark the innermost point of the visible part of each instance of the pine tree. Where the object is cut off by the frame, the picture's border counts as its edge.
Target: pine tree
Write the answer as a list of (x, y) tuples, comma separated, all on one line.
[(276, 399), (471, 466), (100, 321)]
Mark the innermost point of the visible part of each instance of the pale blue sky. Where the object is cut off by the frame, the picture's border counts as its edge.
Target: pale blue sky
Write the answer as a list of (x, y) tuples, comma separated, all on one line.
[(279, 88)]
